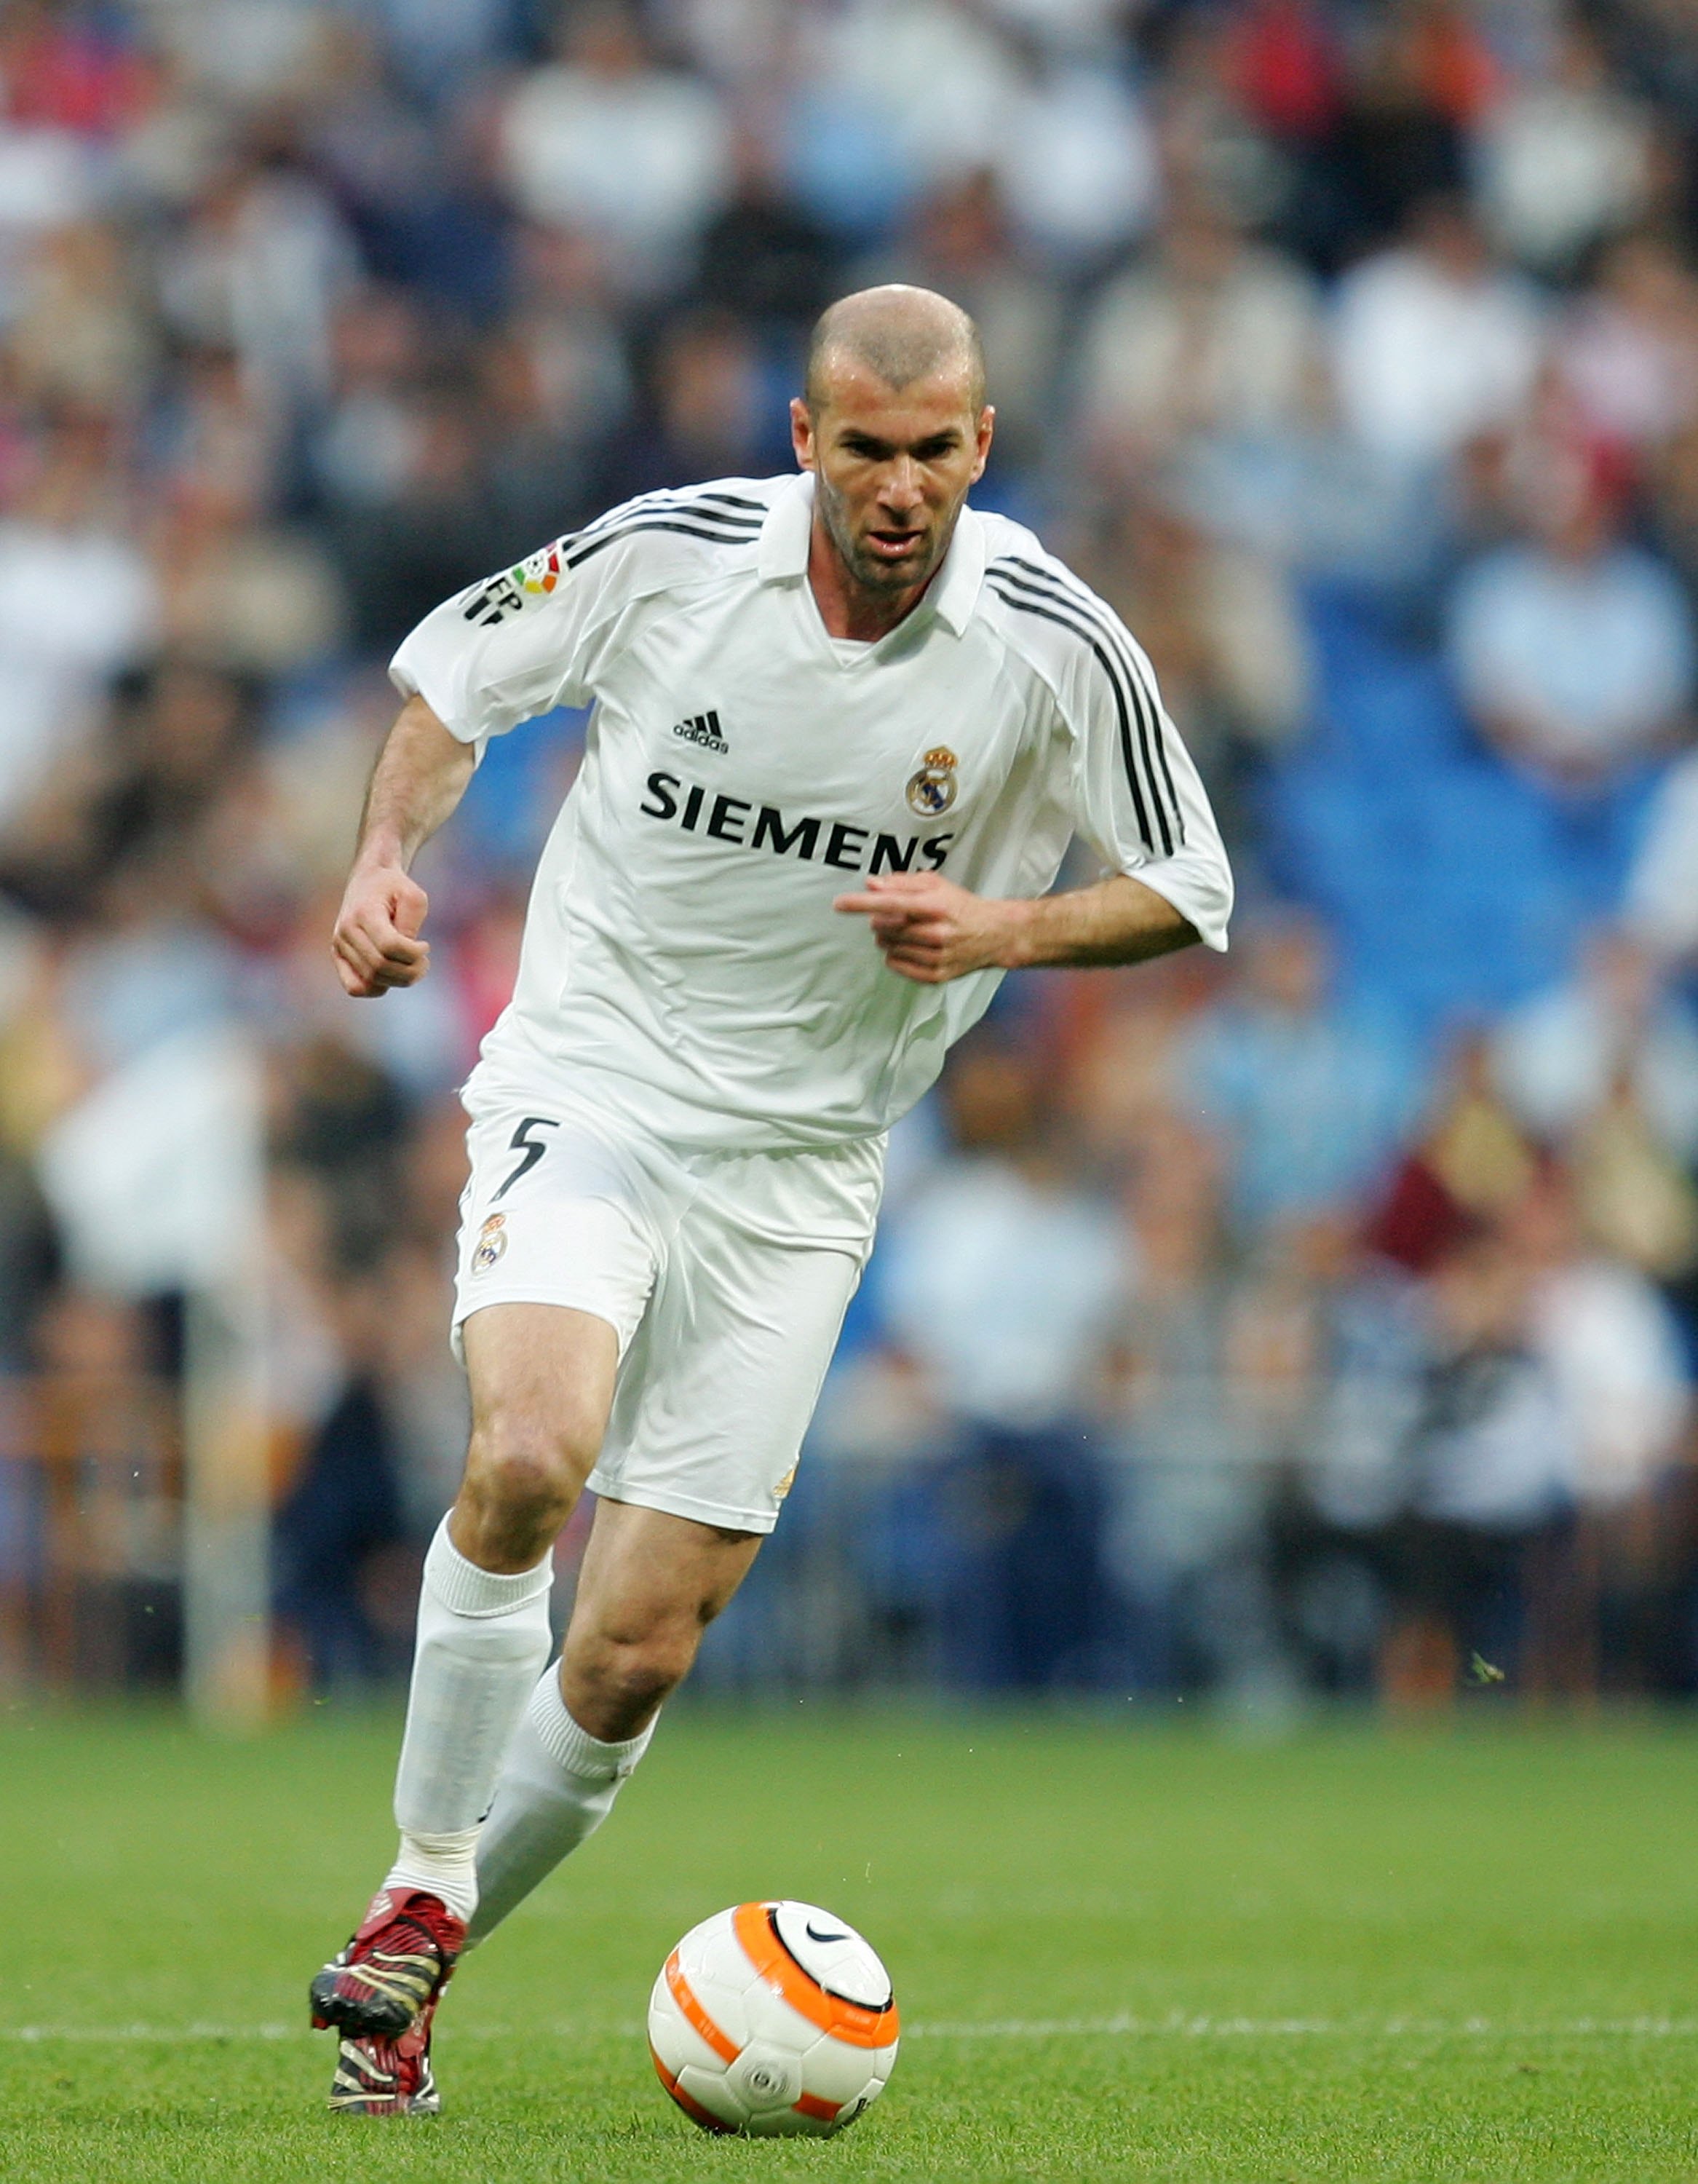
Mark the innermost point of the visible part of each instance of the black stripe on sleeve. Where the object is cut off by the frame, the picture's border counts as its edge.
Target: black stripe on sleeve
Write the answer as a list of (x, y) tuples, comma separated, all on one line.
[(1152, 742), (997, 577), (725, 500), (671, 500), (496, 597), (697, 530)]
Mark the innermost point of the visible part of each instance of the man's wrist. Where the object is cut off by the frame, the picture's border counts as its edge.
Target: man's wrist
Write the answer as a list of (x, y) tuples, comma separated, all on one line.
[(1017, 945), (384, 852)]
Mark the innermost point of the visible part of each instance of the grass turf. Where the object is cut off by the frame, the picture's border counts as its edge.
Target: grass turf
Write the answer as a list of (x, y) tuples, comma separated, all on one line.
[(1121, 1951)]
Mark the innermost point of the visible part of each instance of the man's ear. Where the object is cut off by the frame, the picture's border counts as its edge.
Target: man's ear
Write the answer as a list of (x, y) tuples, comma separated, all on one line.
[(802, 437), (984, 432)]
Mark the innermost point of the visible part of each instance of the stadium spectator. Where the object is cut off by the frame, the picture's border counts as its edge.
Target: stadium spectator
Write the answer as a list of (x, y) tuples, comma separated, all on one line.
[(1218, 1373), (1671, 495), (1210, 334), (1307, 1100), (1470, 1164), (1625, 1383), (259, 269), (1416, 82), (1612, 1349), (1076, 162), (1005, 1282), (66, 532), (1433, 340), (1491, 1464), (433, 533), (763, 259), (1565, 158), (1224, 633), (605, 141), (1629, 353), (362, 443), (900, 97), (1286, 62), (80, 334), (1572, 649), (1615, 1025), (709, 417), (1661, 901)]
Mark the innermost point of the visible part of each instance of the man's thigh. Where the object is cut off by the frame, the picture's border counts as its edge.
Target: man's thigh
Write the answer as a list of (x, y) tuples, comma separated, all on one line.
[(644, 1567), (542, 1380), (541, 1375)]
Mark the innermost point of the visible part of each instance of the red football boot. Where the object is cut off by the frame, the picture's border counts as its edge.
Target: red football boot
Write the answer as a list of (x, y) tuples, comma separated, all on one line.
[(387, 2077), (382, 1991)]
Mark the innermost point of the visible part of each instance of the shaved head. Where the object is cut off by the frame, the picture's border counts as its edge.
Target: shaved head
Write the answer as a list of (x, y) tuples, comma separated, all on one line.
[(902, 335), (895, 428)]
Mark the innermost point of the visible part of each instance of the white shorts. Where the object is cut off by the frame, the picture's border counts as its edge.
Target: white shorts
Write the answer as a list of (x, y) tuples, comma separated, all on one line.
[(726, 1277)]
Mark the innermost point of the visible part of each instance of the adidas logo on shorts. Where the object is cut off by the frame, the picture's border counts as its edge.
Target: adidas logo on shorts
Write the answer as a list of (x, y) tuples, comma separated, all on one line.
[(705, 729)]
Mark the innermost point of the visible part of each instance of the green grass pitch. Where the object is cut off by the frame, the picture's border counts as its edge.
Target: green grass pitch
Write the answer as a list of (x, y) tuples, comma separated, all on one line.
[(1121, 1951)]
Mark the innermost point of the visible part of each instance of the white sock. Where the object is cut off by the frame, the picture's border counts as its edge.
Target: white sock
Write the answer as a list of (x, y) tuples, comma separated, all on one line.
[(443, 1864), (482, 1636), (558, 1784)]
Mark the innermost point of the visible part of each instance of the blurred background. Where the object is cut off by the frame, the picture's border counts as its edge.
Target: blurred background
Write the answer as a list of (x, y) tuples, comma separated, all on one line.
[(1317, 1324)]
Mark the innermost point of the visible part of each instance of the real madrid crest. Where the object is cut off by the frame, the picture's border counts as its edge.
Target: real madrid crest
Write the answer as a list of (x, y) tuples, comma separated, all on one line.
[(931, 791), (492, 1242)]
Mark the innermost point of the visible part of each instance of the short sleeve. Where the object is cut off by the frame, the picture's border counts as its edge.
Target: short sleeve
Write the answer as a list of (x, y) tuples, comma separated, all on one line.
[(515, 645), (1136, 797)]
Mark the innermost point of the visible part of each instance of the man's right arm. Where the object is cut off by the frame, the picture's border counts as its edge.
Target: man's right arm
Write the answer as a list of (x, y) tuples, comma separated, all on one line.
[(420, 775)]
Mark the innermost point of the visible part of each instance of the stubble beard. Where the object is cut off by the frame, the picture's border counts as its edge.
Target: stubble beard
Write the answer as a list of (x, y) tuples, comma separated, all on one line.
[(872, 575)]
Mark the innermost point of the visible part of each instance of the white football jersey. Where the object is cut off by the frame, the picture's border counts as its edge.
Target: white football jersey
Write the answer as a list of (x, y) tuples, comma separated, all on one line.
[(682, 965)]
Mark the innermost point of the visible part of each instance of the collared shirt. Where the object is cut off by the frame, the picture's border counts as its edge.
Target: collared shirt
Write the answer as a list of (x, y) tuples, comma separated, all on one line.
[(682, 965)]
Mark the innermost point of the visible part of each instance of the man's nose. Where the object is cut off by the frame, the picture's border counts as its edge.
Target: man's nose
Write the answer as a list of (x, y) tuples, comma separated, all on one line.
[(901, 487)]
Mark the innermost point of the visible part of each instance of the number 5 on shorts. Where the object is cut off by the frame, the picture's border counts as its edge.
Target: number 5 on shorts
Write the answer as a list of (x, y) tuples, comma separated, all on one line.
[(532, 1148)]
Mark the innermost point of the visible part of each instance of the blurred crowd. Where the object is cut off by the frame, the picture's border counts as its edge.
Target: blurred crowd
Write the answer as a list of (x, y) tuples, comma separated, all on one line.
[(1324, 1320)]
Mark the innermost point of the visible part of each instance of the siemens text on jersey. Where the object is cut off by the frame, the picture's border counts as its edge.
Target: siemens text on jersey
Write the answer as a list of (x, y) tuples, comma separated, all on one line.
[(845, 845)]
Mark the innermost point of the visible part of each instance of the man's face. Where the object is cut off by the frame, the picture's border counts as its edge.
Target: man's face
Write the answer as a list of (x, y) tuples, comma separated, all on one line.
[(893, 468)]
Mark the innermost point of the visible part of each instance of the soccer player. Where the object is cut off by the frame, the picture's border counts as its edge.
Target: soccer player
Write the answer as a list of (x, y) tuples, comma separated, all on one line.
[(845, 728)]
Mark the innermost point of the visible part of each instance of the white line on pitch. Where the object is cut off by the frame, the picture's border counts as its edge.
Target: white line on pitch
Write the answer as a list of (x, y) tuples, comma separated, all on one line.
[(1063, 2028), (1285, 2028)]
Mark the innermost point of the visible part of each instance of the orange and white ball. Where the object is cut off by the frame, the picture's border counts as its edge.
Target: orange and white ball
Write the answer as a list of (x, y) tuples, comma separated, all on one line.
[(773, 2019)]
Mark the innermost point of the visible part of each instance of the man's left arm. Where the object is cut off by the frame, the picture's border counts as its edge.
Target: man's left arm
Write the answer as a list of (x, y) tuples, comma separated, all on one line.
[(930, 930), (1137, 799)]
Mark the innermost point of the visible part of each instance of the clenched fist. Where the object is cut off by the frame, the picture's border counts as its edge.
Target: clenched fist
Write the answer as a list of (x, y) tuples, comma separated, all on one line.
[(376, 943)]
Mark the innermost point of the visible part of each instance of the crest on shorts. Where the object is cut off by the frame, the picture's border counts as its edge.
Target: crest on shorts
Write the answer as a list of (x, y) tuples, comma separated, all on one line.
[(492, 1242), (931, 791)]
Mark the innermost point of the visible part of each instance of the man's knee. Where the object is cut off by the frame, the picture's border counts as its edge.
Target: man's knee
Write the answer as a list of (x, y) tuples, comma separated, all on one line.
[(618, 1672), (650, 1656), (527, 1468), (542, 1380), (649, 1586)]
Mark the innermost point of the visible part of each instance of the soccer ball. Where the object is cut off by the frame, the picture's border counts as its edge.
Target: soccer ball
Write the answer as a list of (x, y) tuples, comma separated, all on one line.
[(773, 2019)]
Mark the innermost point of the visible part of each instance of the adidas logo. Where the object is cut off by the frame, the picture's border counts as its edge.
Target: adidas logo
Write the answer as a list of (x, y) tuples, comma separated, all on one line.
[(704, 729)]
